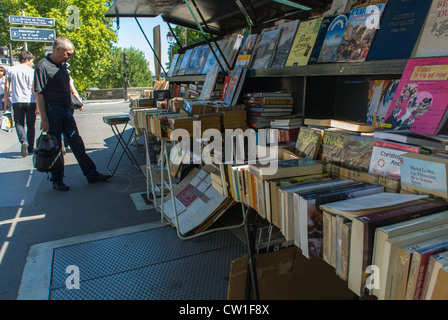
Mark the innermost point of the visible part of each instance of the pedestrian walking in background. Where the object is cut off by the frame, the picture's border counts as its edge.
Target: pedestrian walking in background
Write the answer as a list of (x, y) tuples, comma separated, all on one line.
[(19, 87)]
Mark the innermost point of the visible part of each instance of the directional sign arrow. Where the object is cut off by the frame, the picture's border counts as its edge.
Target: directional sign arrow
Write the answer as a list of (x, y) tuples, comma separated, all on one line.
[(32, 21), (33, 35)]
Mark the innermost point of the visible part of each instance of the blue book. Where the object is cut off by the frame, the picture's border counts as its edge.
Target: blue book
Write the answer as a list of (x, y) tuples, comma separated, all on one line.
[(400, 27), (326, 22)]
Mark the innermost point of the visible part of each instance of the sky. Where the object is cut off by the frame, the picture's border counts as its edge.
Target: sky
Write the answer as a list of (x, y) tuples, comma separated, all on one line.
[(130, 35)]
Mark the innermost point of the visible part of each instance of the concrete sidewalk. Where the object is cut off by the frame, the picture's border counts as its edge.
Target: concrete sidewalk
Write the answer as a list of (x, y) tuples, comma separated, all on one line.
[(35, 220)]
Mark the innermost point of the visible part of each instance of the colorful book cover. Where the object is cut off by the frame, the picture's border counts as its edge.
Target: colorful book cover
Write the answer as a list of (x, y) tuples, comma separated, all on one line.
[(193, 61), (359, 33), (303, 42), (203, 53), (433, 37), (357, 152), (332, 39), (232, 86), (386, 158), (245, 54), (308, 142), (266, 48), (173, 65), (288, 33), (389, 88), (332, 145), (375, 90), (325, 24), (400, 26), (209, 83), (178, 64), (185, 61), (421, 98)]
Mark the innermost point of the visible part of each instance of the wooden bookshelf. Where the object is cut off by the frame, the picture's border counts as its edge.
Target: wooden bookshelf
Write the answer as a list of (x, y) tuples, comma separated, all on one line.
[(188, 78)]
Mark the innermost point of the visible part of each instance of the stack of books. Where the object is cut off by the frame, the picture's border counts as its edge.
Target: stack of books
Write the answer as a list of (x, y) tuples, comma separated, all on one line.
[(262, 107)]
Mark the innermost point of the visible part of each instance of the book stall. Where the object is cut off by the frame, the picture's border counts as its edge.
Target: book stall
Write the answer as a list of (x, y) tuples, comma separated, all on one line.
[(327, 126)]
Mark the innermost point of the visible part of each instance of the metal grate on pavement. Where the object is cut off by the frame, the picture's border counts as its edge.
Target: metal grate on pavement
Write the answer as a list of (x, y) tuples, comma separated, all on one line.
[(147, 265)]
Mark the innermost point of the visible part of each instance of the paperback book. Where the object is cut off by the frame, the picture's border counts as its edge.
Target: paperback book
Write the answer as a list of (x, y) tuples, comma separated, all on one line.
[(288, 33), (421, 99), (266, 48), (359, 33), (304, 42), (333, 39)]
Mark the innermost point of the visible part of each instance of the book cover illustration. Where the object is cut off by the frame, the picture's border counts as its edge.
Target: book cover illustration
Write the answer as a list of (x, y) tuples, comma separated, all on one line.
[(246, 51), (308, 142), (209, 83), (173, 65), (386, 158), (266, 48), (357, 152), (211, 59), (434, 35), (359, 33), (375, 91), (203, 53), (185, 61), (303, 42), (333, 39), (400, 26), (388, 91), (332, 145), (317, 48), (421, 98), (288, 33), (193, 61), (232, 86), (178, 64)]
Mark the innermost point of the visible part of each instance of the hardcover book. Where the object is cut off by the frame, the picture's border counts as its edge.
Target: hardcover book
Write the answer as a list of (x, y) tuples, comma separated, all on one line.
[(178, 64), (185, 62), (324, 25), (203, 53), (400, 26), (332, 145), (333, 39), (434, 33), (173, 64), (359, 33), (421, 99), (235, 77), (246, 51), (266, 48), (209, 83), (308, 142), (356, 152), (304, 42), (193, 60), (288, 33)]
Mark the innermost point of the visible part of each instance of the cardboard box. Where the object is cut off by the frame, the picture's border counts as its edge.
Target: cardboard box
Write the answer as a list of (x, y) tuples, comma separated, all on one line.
[(287, 275)]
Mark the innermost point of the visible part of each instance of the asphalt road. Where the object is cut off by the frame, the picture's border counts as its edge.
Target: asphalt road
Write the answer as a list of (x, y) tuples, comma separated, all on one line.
[(31, 212)]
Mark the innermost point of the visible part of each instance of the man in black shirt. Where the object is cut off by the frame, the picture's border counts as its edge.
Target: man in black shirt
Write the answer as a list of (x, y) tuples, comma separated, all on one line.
[(52, 92)]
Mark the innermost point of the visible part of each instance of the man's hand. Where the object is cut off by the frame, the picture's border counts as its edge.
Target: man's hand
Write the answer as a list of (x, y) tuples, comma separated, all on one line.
[(44, 124)]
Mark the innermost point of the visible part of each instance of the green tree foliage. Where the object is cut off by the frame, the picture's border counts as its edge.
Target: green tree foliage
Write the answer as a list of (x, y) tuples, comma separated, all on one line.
[(93, 37), (137, 70)]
